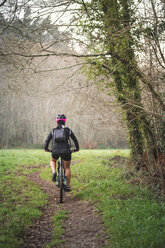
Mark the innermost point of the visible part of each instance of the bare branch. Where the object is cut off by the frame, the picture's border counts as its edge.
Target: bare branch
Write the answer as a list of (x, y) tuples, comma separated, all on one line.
[(62, 68), (3, 2), (150, 86), (85, 7), (55, 54)]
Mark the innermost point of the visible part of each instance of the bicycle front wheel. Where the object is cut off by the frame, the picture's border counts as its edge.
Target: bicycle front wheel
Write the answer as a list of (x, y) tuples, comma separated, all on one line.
[(61, 183)]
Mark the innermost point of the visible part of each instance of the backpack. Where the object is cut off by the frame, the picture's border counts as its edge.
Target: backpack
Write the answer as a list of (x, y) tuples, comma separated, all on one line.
[(60, 135)]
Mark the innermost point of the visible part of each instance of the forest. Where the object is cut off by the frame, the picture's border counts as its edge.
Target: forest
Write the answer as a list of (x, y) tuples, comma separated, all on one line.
[(102, 64), (35, 89), (99, 62)]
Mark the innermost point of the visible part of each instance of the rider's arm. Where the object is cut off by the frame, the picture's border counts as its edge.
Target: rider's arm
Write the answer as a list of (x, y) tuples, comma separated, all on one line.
[(48, 140), (73, 137)]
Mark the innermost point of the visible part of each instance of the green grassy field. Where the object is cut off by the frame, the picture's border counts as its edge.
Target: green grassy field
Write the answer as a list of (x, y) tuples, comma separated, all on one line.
[(20, 200), (133, 216)]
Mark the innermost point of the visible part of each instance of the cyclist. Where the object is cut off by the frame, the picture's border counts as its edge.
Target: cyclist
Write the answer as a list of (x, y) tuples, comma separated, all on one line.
[(60, 137)]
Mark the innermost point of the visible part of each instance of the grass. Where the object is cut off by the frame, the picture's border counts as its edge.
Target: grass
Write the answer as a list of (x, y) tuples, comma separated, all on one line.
[(20, 205), (57, 229), (15, 159), (21, 201), (133, 217)]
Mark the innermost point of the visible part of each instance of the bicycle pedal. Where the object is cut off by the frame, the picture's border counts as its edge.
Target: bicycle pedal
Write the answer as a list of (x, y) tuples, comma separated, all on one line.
[(67, 189), (57, 184)]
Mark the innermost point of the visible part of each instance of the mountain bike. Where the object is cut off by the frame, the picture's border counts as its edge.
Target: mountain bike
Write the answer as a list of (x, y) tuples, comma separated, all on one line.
[(61, 181)]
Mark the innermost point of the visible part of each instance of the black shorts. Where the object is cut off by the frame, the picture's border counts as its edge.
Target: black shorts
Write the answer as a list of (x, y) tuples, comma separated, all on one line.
[(65, 157)]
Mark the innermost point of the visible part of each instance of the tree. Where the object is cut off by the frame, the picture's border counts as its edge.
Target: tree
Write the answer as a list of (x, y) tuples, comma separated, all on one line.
[(25, 32), (115, 31)]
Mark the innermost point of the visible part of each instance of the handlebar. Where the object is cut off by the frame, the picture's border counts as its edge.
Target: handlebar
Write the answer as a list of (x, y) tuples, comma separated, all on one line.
[(72, 150)]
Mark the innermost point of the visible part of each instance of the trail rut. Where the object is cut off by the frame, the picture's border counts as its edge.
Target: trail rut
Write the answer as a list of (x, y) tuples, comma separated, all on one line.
[(83, 227)]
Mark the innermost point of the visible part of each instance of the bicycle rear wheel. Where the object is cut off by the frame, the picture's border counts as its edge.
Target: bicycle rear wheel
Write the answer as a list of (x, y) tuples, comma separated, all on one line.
[(61, 181)]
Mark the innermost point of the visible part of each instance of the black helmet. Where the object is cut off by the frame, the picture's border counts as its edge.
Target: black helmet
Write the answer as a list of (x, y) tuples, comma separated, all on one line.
[(61, 118)]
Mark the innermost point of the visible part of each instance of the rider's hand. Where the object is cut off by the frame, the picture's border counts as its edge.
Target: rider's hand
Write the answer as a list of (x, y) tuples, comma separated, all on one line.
[(47, 150)]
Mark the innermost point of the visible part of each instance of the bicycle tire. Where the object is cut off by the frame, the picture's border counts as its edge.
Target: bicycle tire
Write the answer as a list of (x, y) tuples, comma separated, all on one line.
[(61, 181)]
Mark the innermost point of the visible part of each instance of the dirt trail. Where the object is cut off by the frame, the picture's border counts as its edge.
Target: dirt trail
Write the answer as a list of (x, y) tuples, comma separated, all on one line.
[(83, 227)]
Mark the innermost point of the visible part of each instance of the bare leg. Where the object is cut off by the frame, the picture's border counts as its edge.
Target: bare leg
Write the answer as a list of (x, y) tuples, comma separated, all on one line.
[(53, 164), (67, 172)]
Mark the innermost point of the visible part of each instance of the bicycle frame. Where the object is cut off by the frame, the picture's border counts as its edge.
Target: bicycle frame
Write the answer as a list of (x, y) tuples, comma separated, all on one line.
[(61, 178)]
